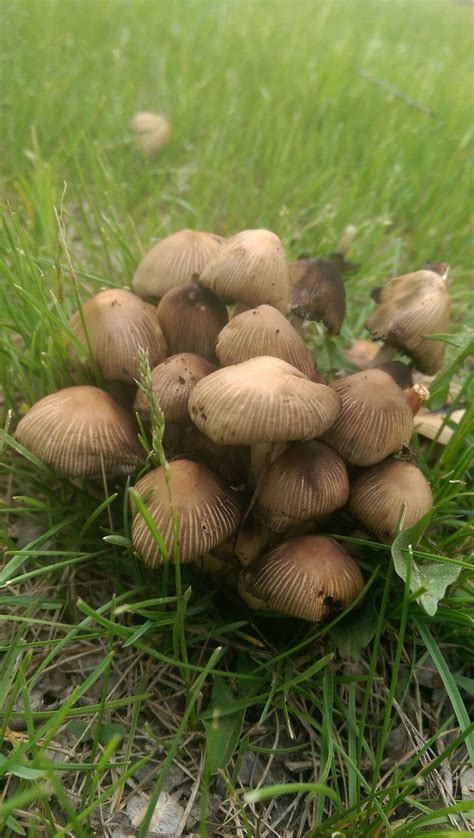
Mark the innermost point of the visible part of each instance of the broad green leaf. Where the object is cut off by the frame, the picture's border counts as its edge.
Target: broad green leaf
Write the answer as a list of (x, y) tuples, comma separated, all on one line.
[(352, 634), (223, 728), (15, 827), (21, 769)]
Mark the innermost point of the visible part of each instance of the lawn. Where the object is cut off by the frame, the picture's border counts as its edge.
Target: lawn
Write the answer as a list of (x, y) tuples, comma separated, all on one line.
[(118, 688)]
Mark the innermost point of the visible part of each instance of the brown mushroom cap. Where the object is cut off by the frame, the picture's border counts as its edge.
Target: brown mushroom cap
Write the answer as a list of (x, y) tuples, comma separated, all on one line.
[(412, 307), (375, 419), (230, 462), (318, 293), (173, 382), (119, 324), (261, 400), (378, 495), (81, 432), (310, 577), (208, 512), (191, 318), (401, 373), (308, 481), (250, 267), (175, 260), (246, 544), (263, 331)]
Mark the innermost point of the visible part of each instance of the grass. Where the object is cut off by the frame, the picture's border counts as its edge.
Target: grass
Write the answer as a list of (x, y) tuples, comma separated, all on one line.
[(111, 685)]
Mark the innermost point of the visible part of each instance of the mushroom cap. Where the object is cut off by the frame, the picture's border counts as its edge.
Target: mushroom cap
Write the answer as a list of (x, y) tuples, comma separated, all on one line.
[(261, 400), (307, 481), (173, 382), (81, 432), (401, 373), (411, 307), (263, 331), (318, 293), (377, 496), (375, 419), (191, 318), (250, 267), (230, 462), (119, 324), (175, 260), (310, 577), (207, 510)]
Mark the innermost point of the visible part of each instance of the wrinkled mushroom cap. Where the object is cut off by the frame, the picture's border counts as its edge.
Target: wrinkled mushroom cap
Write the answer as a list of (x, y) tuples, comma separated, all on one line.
[(375, 419), (377, 497), (119, 324), (81, 432), (263, 331), (310, 577), (173, 382), (318, 293), (175, 260), (191, 318), (412, 307), (251, 268), (261, 400), (208, 512)]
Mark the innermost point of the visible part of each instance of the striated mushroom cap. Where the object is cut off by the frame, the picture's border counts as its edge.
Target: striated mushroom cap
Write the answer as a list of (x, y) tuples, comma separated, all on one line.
[(261, 400), (318, 293), (81, 432), (191, 318), (247, 544), (375, 419), (250, 267), (308, 481), (175, 260), (208, 512), (310, 577), (412, 307), (263, 331), (377, 497), (173, 382), (119, 324)]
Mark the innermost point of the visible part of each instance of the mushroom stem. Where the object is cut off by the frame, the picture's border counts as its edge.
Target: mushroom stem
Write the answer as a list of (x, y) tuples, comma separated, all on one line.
[(383, 356), (297, 322), (261, 455)]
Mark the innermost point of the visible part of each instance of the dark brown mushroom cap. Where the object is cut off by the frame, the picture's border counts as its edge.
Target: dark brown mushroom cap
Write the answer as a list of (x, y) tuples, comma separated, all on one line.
[(307, 481), (175, 260), (119, 324), (230, 462), (263, 331), (207, 510), (310, 577), (247, 544), (375, 419), (318, 293), (81, 432), (261, 400), (412, 307), (401, 373), (173, 382), (191, 318), (377, 497), (250, 267)]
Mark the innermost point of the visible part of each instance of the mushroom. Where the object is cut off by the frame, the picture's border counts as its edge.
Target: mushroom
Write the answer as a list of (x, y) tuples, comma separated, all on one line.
[(118, 324), (175, 260), (81, 432), (401, 373), (379, 494), (208, 512), (263, 331), (230, 462), (153, 131), (317, 293), (250, 268), (310, 577), (375, 419), (173, 382), (306, 482), (191, 318)]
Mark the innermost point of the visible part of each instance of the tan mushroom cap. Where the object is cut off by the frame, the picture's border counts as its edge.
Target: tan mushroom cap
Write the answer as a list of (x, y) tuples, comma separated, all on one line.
[(261, 400), (263, 331), (81, 432), (191, 318), (230, 462), (375, 419), (175, 260), (207, 510), (310, 577), (119, 324), (251, 267), (317, 292), (378, 495), (307, 481), (173, 382), (411, 307)]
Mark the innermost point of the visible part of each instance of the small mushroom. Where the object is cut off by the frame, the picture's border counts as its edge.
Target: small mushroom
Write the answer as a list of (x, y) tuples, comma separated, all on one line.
[(230, 462), (310, 577), (317, 293), (173, 382), (175, 260), (152, 130), (191, 318)]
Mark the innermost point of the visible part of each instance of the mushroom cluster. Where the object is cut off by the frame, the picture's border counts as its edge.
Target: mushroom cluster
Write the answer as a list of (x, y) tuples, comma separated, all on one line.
[(262, 452)]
